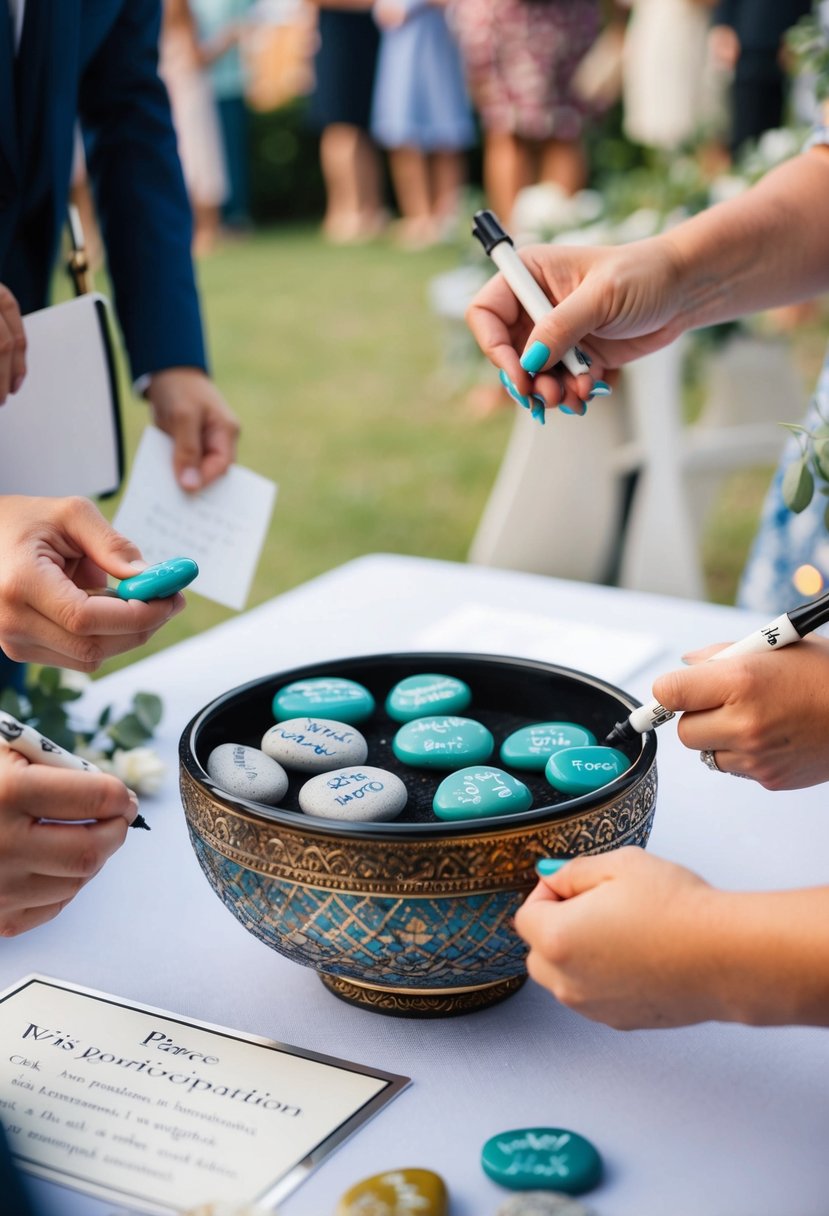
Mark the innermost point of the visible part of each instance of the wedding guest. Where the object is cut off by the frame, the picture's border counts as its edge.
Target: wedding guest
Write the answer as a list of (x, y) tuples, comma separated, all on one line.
[(344, 67), (421, 115), (98, 63), (520, 61)]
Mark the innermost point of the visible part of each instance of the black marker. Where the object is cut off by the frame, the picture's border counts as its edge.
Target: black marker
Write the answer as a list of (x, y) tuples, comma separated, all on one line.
[(782, 631)]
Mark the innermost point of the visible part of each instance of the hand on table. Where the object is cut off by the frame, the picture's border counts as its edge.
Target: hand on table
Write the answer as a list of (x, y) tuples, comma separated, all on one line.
[(12, 345), (763, 715), (613, 303), (622, 938), (44, 865), (54, 548), (187, 405)]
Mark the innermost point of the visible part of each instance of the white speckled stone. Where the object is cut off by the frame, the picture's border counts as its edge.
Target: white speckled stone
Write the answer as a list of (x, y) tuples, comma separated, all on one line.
[(542, 1203), (314, 745), (360, 794), (247, 773)]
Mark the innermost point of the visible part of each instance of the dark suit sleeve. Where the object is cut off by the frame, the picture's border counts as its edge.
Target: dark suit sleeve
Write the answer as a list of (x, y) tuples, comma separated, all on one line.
[(140, 194), (725, 13)]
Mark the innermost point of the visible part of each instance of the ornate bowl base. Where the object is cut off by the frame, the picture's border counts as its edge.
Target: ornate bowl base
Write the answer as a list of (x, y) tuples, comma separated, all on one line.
[(424, 1002)]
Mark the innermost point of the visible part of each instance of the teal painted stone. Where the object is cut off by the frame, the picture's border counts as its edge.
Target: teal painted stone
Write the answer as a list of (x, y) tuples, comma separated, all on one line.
[(580, 770), (442, 742), (426, 695), (478, 791), (324, 697), (156, 582), (542, 1158), (531, 747)]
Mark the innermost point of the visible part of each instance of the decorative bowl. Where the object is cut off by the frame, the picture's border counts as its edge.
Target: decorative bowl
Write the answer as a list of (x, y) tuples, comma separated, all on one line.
[(411, 917)]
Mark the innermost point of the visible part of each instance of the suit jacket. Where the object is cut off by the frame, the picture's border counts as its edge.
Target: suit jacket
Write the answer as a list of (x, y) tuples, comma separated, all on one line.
[(760, 24), (96, 60)]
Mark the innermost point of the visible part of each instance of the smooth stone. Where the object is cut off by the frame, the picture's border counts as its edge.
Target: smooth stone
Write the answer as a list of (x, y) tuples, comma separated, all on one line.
[(247, 773), (426, 695), (531, 747), (442, 742), (478, 791), (407, 1192), (542, 1158), (580, 770), (314, 745), (361, 794), (324, 696), (542, 1203), (156, 582)]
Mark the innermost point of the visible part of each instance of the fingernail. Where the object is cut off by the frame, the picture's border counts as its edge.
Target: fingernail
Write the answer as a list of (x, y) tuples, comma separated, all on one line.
[(535, 357), (600, 389), (16, 383), (513, 391), (133, 797), (139, 566), (565, 409), (539, 411), (190, 479), (550, 865)]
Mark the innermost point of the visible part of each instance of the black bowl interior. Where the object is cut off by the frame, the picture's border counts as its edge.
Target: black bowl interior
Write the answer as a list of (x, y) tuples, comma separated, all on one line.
[(507, 693)]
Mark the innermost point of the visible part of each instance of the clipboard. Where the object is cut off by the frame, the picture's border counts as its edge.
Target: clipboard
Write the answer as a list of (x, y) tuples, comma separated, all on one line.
[(61, 432)]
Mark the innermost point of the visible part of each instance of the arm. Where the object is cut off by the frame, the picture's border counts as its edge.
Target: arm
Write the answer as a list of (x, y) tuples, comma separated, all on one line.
[(628, 939), (764, 716), (146, 222), (53, 550), (769, 246), (44, 865)]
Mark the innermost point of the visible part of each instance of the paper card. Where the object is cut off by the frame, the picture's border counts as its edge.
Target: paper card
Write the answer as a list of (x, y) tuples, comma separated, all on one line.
[(162, 1113), (222, 527), (611, 654)]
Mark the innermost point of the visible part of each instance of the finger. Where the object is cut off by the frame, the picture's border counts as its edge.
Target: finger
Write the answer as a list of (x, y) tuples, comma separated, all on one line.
[(84, 535), (560, 330), (541, 892), (26, 890), (705, 686), (220, 440), (6, 354), (714, 731), (582, 874), (41, 791), (692, 657), (13, 326), (185, 429), (66, 850), (12, 924)]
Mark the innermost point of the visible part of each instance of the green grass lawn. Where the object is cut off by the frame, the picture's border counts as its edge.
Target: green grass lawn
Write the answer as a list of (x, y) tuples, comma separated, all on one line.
[(333, 360)]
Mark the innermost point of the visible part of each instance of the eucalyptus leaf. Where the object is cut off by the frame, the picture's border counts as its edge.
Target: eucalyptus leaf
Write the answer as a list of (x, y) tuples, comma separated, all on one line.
[(129, 732), (798, 485), (48, 680), (10, 703), (148, 708), (820, 447), (105, 718)]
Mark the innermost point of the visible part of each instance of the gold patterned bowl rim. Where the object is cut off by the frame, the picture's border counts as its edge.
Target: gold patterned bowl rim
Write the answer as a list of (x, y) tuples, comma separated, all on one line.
[(349, 668)]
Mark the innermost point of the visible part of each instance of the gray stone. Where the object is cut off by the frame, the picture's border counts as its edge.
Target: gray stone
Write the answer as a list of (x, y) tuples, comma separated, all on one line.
[(542, 1203), (361, 794), (314, 745), (247, 773)]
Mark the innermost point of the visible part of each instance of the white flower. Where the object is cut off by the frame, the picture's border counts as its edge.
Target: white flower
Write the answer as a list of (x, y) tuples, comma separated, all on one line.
[(139, 768), (543, 209), (77, 681), (777, 145), (726, 186)]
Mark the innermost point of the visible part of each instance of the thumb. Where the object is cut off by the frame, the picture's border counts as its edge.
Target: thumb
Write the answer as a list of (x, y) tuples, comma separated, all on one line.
[(98, 542), (564, 327), (584, 873), (705, 652)]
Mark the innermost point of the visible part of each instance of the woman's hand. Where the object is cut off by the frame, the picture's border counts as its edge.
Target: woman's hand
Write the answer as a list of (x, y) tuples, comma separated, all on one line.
[(53, 550), (765, 716), (44, 865)]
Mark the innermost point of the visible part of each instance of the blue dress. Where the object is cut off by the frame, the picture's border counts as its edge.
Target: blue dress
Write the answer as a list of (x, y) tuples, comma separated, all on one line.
[(420, 98)]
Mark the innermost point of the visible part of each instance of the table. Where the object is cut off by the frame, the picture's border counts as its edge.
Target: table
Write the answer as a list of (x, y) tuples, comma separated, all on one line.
[(706, 1121)]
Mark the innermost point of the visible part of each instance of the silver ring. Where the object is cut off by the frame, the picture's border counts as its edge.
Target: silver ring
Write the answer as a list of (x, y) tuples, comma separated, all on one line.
[(707, 758)]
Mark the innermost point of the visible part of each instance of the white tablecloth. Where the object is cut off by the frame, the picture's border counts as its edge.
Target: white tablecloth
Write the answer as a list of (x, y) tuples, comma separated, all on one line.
[(708, 1121)]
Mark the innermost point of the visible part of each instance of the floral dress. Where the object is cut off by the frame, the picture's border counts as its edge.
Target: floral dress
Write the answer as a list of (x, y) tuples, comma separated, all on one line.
[(520, 57)]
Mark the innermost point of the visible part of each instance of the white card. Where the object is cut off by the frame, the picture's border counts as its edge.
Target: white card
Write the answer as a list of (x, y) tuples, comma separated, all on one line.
[(140, 1106), (222, 527), (611, 654)]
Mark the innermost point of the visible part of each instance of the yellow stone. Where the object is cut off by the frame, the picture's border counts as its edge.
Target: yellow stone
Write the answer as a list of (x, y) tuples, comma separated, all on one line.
[(406, 1192)]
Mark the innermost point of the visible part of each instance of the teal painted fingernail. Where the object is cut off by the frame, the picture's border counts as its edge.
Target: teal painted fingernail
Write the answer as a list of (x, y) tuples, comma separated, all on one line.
[(534, 357), (600, 389), (565, 409), (539, 411), (513, 391), (550, 865)]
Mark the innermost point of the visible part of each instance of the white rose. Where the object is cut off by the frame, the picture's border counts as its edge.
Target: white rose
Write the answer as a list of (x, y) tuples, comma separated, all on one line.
[(140, 769), (77, 681)]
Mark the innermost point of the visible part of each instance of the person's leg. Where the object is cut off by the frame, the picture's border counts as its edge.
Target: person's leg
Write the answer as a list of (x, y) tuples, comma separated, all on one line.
[(369, 185), (507, 169), (410, 179), (448, 177), (563, 162), (235, 124), (339, 151)]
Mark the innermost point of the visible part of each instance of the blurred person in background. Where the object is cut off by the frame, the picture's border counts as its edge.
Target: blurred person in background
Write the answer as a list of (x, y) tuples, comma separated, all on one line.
[(344, 65), (422, 116), (520, 58), (215, 19), (747, 38)]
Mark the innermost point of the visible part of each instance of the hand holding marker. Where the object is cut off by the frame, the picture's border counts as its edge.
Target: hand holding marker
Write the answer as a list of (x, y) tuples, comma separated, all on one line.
[(499, 246), (782, 631)]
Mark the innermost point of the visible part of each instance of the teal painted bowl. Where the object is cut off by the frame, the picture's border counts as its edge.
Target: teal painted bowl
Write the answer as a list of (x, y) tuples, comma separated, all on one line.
[(412, 917)]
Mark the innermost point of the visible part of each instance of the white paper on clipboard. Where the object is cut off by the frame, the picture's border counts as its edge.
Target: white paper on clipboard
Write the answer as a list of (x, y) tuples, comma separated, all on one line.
[(61, 432)]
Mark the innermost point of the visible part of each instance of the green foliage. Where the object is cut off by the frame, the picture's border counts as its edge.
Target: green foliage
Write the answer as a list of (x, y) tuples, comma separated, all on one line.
[(811, 470), (808, 42), (286, 181)]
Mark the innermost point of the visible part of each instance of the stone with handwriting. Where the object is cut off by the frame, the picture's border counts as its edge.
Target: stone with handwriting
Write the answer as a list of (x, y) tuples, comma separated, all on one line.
[(314, 745), (426, 695), (444, 742), (542, 1203), (403, 1192), (530, 747), (580, 770), (542, 1158), (478, 792), (327, 696), (246, 772), (360, 793)]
